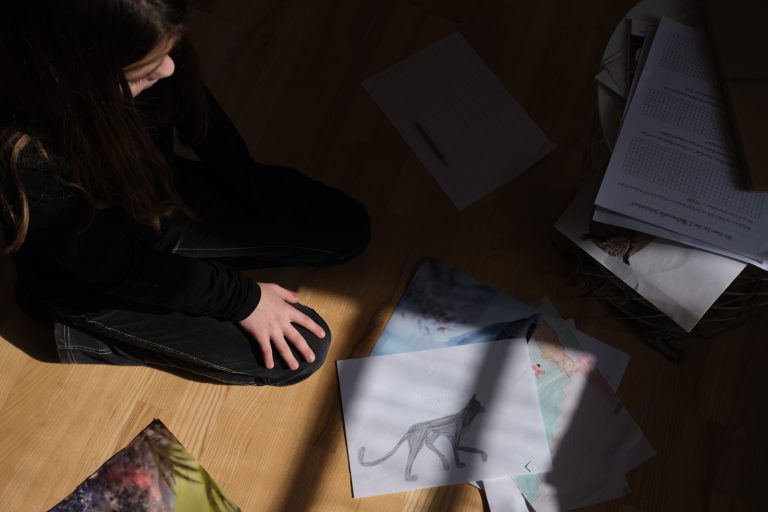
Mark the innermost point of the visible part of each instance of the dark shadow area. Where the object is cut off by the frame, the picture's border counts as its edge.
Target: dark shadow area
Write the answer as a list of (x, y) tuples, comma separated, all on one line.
[(328, 422), (34, 339), (586, 433), (301, 488), (32, 334)]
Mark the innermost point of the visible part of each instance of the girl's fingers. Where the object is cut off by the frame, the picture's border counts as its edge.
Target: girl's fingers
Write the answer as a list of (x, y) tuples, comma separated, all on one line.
[(309, 324), (266, 352), (300, 343), (278, 340), (287, 295)]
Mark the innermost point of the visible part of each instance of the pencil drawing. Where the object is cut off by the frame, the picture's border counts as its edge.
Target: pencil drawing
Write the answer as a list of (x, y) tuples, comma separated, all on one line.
[(426, 433)]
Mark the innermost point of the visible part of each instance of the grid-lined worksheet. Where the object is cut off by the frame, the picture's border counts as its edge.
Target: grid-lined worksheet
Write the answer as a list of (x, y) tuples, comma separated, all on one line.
[(675, 165), (459, 119)]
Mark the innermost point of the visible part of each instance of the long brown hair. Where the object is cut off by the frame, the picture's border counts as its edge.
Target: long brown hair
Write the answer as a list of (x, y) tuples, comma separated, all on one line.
[(65, 92)]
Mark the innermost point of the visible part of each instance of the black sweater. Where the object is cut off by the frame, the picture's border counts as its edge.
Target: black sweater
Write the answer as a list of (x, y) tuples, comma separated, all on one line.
[(77, 258)]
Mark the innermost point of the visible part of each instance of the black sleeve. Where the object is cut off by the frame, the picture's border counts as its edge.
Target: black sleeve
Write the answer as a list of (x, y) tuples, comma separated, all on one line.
[(223, 150), (109, 253)]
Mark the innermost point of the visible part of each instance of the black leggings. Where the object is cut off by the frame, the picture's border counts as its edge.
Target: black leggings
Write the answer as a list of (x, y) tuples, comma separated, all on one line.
[(289, 220)]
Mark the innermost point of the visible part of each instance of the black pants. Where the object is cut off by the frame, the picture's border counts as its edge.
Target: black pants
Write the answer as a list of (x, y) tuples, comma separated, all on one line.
[(288, 220)]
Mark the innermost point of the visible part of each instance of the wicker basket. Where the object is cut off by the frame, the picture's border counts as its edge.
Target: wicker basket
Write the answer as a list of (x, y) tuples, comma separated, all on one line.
[(747, 293)]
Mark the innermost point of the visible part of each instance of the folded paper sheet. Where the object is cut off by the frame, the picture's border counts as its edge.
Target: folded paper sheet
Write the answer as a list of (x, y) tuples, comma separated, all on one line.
[(409, 417), (459, 119)]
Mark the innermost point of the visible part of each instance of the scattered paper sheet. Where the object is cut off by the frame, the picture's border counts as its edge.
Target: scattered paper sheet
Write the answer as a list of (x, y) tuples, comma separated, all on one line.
[(458, 119), (401, 412), (638, 31), (675, 164), (503, 496), (593, 440), (649, 31), (444, 307), (611, 362), (612, 72), (681, 281)]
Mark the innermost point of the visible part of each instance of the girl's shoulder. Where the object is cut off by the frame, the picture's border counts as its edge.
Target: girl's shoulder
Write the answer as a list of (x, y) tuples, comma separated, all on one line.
[(41, 171), (37, 157), (29, 182)]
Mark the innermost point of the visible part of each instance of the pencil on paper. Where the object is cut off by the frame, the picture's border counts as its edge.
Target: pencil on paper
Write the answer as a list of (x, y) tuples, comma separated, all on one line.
[(430, 142)]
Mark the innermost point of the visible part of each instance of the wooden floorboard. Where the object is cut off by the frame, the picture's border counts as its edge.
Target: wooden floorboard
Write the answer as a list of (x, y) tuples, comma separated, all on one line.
[(290, 72)]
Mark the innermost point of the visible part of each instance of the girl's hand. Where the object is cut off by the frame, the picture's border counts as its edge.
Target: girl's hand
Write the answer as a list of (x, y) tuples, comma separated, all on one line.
[(270, 324)]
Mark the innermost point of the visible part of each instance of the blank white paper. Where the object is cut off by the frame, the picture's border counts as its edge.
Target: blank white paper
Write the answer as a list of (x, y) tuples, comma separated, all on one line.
[(385, 396), (503, 496), (483, 134)]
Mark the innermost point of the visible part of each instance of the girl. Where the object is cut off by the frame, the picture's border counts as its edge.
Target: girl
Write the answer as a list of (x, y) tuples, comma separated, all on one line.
[(132, 251)]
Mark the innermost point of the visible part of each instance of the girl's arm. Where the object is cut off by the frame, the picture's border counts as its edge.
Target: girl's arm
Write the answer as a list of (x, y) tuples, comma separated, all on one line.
[(108, 253), (225, 152)]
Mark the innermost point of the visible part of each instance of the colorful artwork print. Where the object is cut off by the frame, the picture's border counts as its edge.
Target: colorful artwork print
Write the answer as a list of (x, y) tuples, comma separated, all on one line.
[(444, 307), (154, 473)]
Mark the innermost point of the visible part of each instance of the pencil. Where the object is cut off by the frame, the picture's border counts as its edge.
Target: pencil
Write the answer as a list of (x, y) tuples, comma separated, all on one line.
[(430, 142)]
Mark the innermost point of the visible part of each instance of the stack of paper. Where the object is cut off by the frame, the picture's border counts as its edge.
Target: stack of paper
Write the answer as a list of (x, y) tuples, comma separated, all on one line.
[(593, 440), (675, 171), (454, 376), (681, 281), (675, 174)]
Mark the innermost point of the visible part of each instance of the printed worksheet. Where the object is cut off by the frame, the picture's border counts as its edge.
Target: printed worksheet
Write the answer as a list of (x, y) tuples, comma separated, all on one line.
[(682, 281), (617, 219), (675, 164)]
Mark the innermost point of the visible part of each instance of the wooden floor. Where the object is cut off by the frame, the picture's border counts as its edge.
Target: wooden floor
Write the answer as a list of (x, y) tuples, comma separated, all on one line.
[(290, 73)]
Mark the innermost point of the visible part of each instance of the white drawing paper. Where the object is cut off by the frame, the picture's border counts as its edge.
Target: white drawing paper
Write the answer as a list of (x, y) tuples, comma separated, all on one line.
[(593, 440), (503, 496), (610, 361), (385, 396), (472, 135), (681, 281), (575, 404)]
